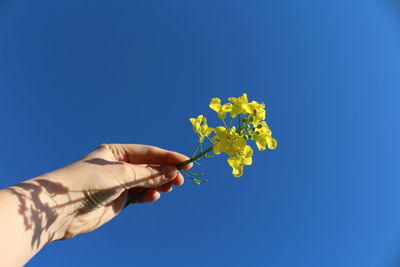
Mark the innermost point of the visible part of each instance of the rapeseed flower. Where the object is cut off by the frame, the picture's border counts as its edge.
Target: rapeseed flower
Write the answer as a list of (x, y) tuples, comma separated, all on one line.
[(215, 104), (227, 141), (201, 129), (257, 112), (232, 140), (240, 159), (263, 137), (240, 105)]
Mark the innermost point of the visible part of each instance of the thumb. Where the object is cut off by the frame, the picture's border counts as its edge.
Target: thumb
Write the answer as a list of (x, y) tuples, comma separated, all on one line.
[(149, 176)]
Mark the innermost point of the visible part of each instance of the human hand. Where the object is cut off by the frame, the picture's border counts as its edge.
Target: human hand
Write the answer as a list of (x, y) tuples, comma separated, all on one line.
[(98, 186), (82, 196)]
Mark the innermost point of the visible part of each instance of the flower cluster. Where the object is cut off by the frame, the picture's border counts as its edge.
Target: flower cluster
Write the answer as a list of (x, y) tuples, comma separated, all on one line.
[(233, 140)]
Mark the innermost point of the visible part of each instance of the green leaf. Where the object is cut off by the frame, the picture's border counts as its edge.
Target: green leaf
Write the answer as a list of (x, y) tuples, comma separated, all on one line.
[(194, 174), (197, 181)]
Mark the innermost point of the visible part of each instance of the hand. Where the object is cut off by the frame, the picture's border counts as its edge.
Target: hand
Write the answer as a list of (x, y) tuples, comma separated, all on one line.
[(96, 188), (82, 196), (113, 176)]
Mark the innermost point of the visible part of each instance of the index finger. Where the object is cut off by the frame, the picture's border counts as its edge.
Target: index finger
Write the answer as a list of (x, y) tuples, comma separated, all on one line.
[(144, 154)]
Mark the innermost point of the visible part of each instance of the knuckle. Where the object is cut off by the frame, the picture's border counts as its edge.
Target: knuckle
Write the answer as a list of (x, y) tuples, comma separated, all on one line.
[(127, 171), (103, 145)]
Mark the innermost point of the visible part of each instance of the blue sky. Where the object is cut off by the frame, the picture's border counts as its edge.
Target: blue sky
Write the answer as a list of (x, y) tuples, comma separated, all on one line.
[(76, 74)]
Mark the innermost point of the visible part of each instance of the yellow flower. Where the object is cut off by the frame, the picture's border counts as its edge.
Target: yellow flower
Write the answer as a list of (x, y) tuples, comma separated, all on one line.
[(240, 105), (257, 112), (196, 123), (227, 141), (239, 160), (201, 130), (215, 104), (263, 137)]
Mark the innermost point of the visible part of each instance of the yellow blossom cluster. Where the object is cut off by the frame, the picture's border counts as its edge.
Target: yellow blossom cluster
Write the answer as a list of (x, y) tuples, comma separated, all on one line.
[(233, 140)]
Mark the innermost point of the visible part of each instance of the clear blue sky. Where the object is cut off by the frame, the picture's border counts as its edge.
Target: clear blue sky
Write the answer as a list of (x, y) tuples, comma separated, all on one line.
[(74, 74)]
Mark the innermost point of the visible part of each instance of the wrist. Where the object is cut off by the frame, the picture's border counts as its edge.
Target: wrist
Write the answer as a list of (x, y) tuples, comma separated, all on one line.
[(45, 206)]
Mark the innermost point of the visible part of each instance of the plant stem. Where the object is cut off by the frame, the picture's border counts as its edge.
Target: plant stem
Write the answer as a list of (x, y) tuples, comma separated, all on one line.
[(197, 148), (226, 126), (183, 164), (230, 123)]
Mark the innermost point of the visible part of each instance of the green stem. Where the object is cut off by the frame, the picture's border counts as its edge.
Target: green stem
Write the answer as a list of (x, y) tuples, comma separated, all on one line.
[(212, 142), (197, 148), (230, 123), (226, 126), (183, 164)]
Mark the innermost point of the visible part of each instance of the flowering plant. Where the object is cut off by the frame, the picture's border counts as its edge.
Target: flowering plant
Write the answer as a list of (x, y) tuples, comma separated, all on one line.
[(232, 138)]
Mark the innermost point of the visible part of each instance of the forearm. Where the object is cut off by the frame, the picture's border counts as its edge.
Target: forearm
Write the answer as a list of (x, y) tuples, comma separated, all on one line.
[(30, 218)]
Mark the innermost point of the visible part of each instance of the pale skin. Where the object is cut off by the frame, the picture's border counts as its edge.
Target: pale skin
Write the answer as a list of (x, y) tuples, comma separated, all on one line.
[(82, 196)]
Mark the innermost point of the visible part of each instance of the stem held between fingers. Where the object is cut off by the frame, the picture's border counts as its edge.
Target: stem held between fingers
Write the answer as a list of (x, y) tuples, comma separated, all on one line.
[(183, 164)]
